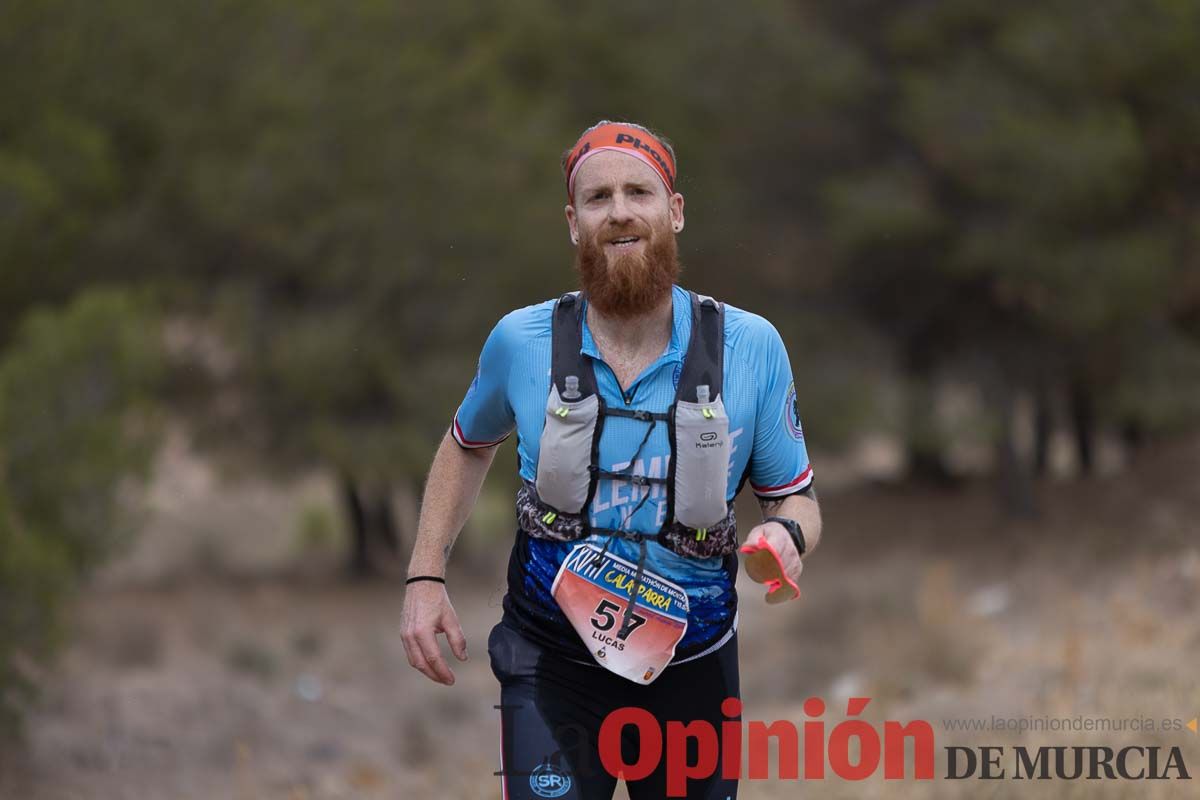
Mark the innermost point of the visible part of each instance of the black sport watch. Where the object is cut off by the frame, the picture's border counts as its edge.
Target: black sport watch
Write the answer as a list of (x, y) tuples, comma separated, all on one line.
[(793, 529)]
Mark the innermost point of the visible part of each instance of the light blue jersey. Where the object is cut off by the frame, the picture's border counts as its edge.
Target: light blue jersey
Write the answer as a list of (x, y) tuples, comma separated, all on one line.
[(767, 447)]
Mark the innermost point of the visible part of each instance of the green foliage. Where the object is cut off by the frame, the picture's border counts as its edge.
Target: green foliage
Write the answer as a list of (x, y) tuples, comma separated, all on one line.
[(316, 529), (74, 389), (356, 192), (35, 576), (893, 207), (1162, 405), (1027, 200)]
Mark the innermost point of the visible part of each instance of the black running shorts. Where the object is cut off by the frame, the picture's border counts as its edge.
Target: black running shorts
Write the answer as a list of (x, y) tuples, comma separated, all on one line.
[(552, 708)]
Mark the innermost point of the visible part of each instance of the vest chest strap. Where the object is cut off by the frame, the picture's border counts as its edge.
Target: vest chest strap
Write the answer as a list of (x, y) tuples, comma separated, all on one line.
[(636, 480), (642, 416)]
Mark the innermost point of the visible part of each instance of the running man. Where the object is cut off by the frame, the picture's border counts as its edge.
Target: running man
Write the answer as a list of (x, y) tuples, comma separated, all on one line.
[(641, 409)]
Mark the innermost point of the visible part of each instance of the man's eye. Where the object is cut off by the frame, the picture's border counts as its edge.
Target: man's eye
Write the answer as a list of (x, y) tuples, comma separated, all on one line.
[(599, 195)]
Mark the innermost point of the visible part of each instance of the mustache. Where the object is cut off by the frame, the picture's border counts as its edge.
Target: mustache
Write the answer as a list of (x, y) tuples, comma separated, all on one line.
[(610, 231)]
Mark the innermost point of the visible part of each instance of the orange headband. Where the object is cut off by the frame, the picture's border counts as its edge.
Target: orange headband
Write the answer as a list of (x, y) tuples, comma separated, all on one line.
[(626, 139)]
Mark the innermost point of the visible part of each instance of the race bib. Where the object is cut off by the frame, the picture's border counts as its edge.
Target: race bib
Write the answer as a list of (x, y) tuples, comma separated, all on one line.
[(594, 593)]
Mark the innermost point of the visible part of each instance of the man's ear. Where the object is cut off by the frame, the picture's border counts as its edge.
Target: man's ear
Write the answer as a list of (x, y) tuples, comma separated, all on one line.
[(572, 225), (676, 204)]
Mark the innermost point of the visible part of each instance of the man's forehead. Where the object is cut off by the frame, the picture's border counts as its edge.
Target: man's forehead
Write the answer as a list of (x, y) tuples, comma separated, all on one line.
[(614, 166)]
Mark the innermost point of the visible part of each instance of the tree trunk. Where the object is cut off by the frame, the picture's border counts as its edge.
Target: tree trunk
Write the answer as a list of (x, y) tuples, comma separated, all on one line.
[(406, 511), (924, 441), (360, 565), (1016, 486), (1133, 435), (1043, 426), (376, 543), (383, 522), (1083, 423)]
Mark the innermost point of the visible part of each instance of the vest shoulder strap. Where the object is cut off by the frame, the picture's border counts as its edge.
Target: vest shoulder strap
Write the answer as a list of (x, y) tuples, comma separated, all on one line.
[(566, 356), (704, 363)]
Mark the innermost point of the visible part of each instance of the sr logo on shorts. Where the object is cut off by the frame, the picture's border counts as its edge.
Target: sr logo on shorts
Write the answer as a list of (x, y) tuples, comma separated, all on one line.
[(548, 780)]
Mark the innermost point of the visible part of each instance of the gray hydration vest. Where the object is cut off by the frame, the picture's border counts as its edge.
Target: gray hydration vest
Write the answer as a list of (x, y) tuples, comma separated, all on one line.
[(699, 522)]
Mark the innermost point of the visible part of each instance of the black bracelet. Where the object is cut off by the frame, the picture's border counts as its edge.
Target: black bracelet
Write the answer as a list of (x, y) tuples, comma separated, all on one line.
[(793, 529), (416, 578)]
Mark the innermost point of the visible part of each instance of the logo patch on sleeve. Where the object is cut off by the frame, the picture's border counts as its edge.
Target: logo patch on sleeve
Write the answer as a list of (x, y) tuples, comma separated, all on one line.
[(791, 413)]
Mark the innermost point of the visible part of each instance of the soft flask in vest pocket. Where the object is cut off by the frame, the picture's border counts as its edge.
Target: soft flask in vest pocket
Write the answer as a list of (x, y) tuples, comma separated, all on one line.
[(565, 452), (701, 461)]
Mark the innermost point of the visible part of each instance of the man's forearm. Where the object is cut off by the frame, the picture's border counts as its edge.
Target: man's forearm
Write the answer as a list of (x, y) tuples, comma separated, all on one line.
[(804, 509), (450, 493)]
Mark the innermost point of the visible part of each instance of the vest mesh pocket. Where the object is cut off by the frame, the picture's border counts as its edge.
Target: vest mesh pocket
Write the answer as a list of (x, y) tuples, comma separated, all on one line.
[(542, 522), (717, 540), (566, 451), (701, 463)]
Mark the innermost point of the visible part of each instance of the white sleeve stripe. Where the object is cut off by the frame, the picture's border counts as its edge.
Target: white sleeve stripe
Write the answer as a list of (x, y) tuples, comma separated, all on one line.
[(791, 487), (463, 441)]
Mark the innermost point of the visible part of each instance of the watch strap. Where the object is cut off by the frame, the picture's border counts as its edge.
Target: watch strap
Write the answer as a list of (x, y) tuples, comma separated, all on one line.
[(793, 529)]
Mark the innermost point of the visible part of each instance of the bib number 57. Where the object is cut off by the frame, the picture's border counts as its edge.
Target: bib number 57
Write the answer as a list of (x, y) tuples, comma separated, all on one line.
[(606, 618)]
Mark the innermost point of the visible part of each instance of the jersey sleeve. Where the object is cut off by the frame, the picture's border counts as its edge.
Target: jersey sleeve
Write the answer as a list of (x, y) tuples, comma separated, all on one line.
[(485, 416), (779, 463)]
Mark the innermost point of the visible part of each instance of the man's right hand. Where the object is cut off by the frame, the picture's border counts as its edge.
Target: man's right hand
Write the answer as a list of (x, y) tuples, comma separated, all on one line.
[(427, 612)]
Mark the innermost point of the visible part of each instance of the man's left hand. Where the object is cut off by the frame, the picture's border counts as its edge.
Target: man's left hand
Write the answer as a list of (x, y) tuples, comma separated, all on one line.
[(772, 559)]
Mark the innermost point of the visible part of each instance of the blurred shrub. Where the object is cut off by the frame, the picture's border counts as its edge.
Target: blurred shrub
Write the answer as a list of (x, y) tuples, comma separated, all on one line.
[(316, 529), (75, 388), (71, 388), (254, 659), (1162, 386), (34, 578)]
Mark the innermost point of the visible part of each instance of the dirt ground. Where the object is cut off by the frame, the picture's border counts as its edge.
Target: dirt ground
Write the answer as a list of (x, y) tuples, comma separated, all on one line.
[(293, 684)]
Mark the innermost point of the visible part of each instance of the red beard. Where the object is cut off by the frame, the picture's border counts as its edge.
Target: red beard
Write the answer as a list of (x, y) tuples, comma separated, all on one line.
[(627, 285)]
